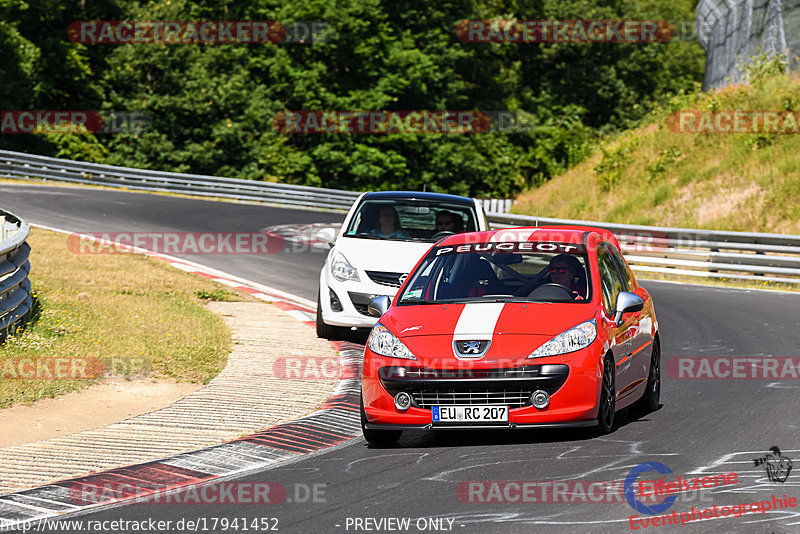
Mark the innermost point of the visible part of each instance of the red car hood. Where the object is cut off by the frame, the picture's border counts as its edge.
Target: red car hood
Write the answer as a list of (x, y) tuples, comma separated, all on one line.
[(485, 318)]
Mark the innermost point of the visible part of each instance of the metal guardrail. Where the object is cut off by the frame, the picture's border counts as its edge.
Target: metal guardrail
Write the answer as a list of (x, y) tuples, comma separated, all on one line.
[(16, 301), (27, 166), (685, 252), (679, 251)]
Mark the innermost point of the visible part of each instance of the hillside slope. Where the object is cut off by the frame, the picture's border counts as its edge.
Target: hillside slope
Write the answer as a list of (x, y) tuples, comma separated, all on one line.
[(653, 175)]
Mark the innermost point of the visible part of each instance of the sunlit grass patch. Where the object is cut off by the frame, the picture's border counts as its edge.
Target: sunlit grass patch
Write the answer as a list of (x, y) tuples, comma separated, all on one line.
[(723, 181), (135, 315)]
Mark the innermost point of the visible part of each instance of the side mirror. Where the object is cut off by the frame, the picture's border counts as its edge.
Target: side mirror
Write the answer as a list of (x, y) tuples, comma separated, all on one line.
[(328, 235), (378, 305), (627, 302)]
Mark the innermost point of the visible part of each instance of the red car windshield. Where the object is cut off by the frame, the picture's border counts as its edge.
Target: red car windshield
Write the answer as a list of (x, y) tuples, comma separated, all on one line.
[(505, 272)]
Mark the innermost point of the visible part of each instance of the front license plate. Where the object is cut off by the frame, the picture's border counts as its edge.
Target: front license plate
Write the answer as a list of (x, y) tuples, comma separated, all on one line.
[(470, 414)]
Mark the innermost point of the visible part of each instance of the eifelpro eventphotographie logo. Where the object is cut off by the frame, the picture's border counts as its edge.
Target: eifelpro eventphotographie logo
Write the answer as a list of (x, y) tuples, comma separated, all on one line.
[(630, 494)]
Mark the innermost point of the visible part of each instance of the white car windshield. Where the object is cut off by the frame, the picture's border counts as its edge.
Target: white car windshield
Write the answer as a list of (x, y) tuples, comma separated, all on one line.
[(410, 220), (481, 272)]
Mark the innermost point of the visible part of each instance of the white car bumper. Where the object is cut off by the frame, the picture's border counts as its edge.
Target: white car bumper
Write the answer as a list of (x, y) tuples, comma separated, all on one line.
[(353, 298)]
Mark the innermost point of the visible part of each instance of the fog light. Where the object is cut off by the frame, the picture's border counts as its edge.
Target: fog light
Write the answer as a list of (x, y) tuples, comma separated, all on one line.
[(540, 399), (402, 401), (336, 304)]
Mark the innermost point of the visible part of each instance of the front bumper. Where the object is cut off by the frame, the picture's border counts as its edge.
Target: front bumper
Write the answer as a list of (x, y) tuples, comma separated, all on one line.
[(572, 381), (509, 426), (353, 298)]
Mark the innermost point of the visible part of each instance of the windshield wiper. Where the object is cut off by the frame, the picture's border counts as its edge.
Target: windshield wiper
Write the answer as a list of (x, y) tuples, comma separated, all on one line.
[(417, 301), (484, 298)]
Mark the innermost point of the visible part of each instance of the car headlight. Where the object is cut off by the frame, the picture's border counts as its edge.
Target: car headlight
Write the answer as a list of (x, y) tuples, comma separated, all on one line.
[(576, 338), (383, 342), (342, 270)]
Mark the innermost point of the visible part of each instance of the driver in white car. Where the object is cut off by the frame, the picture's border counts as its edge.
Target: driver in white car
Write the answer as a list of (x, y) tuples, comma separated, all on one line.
[(447, 221)]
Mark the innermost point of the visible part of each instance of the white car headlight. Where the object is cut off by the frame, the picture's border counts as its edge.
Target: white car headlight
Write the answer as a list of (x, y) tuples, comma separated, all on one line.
[(383, 342), (576, 338), (342, 270)]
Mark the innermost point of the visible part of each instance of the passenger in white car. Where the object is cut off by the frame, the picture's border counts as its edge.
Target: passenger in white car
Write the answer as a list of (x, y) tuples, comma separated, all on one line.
[(389, 224)]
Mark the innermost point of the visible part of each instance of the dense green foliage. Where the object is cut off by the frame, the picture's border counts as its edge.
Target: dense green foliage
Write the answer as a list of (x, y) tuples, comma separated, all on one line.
[(212, 105)]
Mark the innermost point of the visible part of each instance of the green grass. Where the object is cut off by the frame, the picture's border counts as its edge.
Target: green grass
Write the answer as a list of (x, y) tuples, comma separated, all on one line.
[(653, 175), (219, 295), (126, 315)]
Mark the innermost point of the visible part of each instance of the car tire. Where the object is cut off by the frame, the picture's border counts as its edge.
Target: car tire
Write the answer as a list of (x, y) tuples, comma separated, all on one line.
[(378, 439), (608, 398), (324, 330), (649, 401)]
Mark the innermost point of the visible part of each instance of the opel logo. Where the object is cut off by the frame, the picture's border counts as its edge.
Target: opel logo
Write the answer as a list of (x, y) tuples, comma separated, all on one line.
[(402, 278)]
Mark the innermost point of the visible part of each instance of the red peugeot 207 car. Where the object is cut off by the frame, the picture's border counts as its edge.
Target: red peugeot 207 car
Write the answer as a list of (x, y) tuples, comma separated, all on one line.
[(514, 328)]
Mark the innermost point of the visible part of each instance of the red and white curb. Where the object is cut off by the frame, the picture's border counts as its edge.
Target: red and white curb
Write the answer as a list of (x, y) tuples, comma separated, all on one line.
[(335, 422), (302, 236)]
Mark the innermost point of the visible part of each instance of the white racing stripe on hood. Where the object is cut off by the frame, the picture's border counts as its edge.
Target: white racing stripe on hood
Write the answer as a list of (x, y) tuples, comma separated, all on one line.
[(477, 321)]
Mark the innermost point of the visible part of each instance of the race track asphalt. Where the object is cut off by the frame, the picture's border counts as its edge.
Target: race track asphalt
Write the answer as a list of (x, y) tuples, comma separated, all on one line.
[(703, 426), (103, 210)]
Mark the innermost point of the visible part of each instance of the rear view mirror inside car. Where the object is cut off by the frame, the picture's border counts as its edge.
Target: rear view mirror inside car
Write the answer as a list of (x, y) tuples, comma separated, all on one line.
[(506, 259), (417, 210)]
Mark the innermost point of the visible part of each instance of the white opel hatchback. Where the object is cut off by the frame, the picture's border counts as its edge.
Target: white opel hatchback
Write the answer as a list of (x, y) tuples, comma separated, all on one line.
[(381, 239)]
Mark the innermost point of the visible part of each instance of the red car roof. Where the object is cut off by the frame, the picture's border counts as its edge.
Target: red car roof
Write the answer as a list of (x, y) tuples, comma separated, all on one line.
[(561, 234)]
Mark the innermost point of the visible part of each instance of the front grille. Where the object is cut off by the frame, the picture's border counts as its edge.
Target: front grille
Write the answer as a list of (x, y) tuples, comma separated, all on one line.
[(417, 373), (385, 279), (361, 301), (361, 308), (513, 398), (510, 387)]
